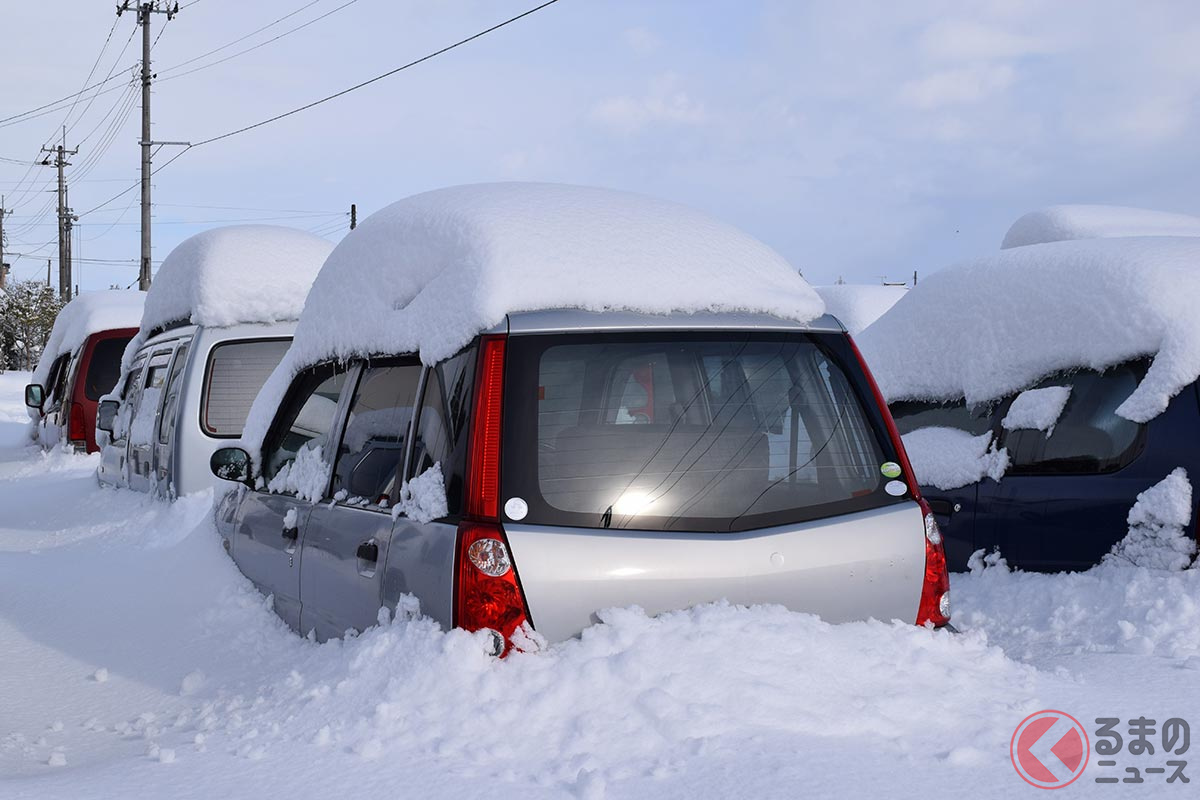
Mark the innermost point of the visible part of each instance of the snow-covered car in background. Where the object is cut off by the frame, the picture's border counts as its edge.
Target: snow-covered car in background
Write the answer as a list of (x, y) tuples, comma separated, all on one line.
[(1043, 390), (218, 318), (80, 364), (857, 305), (524, 403)]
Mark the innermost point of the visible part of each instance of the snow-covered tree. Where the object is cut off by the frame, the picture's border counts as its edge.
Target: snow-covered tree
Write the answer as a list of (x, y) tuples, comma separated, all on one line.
[(27, 313)]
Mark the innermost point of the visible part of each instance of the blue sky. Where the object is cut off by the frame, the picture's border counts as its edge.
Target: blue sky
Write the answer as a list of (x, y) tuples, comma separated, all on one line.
[(858, 139)]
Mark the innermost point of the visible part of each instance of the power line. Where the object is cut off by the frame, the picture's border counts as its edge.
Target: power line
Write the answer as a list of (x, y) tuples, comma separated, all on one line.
[(227, 45), (254, 47), (333, 96), (369, 81)]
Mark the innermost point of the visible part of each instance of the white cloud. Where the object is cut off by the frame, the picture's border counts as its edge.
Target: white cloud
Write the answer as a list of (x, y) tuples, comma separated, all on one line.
[(641, 40), (968, 40), (954, 87), (664, 103)]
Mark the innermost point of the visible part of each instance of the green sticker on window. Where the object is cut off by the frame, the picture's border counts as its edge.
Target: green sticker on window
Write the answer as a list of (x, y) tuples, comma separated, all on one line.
[(890, 469)]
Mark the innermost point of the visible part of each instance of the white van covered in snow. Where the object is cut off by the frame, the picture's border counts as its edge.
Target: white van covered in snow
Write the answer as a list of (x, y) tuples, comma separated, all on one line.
[(218, 319)]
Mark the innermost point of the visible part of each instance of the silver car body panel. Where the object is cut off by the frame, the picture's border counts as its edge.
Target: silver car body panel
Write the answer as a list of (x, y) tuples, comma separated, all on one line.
[(347, 590), (420, 562), (869, 564), (570, 320)]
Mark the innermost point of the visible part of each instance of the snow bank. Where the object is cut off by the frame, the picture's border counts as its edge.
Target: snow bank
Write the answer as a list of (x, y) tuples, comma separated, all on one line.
[(1061, 223), (1158, 522), (992, 326), (1107, 609), (90, 312), (235, 274), (949, 458), (1037, 409), (857, 306), (427, 274)]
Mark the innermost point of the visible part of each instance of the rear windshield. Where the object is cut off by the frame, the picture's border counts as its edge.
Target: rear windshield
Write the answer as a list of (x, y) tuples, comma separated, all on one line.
[(236, 371), (105, 367), (689, 431)]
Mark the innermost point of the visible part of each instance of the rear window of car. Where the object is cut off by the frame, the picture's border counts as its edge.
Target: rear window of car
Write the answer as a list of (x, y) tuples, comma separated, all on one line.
[(695, 431), (236, 371), (104, 369)]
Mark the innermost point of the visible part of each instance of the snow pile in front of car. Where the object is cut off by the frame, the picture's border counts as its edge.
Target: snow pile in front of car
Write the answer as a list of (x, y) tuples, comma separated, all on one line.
[(236, 274), (1110, 608), (1064, 222), (856, 305), (427, 274), (992, 326), (88, 313)]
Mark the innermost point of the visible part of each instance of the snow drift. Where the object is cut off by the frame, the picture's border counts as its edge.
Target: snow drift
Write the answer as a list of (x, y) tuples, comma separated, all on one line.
[(427, 274), (857, 306), (992, 326), (88, 313), (1065, 222)]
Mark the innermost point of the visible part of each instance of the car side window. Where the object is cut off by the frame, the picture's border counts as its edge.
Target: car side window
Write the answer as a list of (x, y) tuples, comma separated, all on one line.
[(442, 424), (166, 423), (297, 446), (131, 391), (1089, 437), (373, 444), (58, 382), (146, 403)]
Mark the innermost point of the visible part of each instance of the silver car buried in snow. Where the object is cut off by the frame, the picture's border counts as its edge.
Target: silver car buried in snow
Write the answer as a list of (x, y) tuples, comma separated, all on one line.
[(568, 461)]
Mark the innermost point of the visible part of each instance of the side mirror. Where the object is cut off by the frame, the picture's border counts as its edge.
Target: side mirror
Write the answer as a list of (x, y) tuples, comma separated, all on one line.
[(105, 414), (231, 464), (35, 396)]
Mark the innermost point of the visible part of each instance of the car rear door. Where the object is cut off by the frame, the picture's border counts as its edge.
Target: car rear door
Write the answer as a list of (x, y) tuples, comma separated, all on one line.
[(271, 521), (347, 537), (1064, 500)]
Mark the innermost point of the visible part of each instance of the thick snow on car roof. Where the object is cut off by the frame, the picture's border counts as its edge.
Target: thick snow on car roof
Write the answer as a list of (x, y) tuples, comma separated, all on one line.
[(858, 305), (236, 274), (88, 313), (988, 327), (427, 274), (1065, 222)]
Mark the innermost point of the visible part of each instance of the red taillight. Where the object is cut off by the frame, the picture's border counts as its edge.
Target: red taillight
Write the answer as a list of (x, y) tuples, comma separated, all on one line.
[(75, 431), (483, 475), (487, 590), (483, 598), (935, 589)]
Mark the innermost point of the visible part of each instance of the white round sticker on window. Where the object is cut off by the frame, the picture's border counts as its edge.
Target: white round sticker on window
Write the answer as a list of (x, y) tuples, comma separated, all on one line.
[(516, 508), (895, 488)]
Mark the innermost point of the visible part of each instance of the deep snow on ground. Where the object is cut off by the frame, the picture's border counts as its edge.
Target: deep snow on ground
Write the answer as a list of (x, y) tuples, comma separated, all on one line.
[(136, 662)]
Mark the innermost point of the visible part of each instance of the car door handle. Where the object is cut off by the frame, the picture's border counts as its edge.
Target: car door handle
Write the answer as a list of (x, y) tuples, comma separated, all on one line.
[(292, 533), (368, 551)]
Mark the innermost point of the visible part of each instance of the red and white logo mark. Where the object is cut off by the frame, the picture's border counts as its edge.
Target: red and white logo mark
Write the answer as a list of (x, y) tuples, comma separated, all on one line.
[(1050, 749)]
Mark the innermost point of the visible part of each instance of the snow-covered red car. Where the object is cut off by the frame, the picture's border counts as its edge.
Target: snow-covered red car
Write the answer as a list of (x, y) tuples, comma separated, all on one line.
[(520, 404), (80, 364)]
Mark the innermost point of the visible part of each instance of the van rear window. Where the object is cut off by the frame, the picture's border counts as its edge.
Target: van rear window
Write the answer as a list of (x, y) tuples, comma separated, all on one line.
[(696, 431), (236, 371), (105, 367)]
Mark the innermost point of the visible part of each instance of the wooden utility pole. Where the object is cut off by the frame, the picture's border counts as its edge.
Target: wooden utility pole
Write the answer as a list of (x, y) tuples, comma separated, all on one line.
[(3, 263), (353, 216), (64, 226), (144, 10)]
